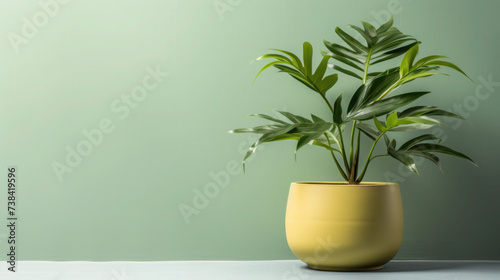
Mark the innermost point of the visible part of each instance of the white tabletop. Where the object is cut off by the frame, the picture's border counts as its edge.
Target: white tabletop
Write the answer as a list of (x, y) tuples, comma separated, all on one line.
[(245, 270)]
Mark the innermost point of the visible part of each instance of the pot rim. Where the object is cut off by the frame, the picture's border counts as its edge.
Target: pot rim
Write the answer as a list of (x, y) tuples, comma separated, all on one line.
[(343, 184)]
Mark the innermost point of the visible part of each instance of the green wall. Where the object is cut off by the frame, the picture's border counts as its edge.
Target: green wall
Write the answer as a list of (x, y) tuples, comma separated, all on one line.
[(99, 68)]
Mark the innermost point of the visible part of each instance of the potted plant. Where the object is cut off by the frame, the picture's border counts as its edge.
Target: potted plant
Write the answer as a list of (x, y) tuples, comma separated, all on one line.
[(355, 225)]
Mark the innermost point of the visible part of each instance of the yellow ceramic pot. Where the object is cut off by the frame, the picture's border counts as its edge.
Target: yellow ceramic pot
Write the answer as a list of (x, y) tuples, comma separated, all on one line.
[(337, 226)]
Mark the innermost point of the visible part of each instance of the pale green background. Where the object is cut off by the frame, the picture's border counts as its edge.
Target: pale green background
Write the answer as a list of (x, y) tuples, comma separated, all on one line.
[(122, 202)]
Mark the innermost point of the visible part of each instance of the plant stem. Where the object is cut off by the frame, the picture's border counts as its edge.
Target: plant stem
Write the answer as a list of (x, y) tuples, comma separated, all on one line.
[(322, 95), (353, 158), (319, 92), (368, 161), (335, 159), (351, 152), (357, 145), (374, 157), (367, 64), (343, 150), (356, 158), (369, 157), (327, 102)]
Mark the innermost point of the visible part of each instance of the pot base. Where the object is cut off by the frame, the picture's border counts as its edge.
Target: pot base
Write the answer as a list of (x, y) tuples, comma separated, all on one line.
[(344, 269)]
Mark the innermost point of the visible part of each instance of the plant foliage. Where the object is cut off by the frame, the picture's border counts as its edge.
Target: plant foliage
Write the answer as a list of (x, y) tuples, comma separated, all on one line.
[(373, 108)]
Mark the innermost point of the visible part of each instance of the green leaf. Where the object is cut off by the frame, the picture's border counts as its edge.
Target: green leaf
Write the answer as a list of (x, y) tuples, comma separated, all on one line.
[(258, 129), (272, 63), (393, 53), (379, 126), (283, 137), (393, 123), (303, 73), (392, 144), (267, 117), (407, 61), (434, 159), (296, 61), (394, 46), (337, 110), (344, 52), (393, 34), (420, 119), (294, 118), (307, 128), (307, 57), (384, 106), (353, 43), (382, 44), (265, 137), (411, 127), (356, 99), (406, 159), (366, 36), (384, 27), (414, 111), (306, 139), (320, 71), (382, 84), (369, 29), (335, 135), (392, 120), (411, 77), (449, 65), (316, 118), (347, 61), (368, 130), (279, 57), (302, 129), (297, 75), (428, 111), (439, 112), (327, 83), (347, 72), (295, 136), (437, 148), (412, 142), (426, 59)]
